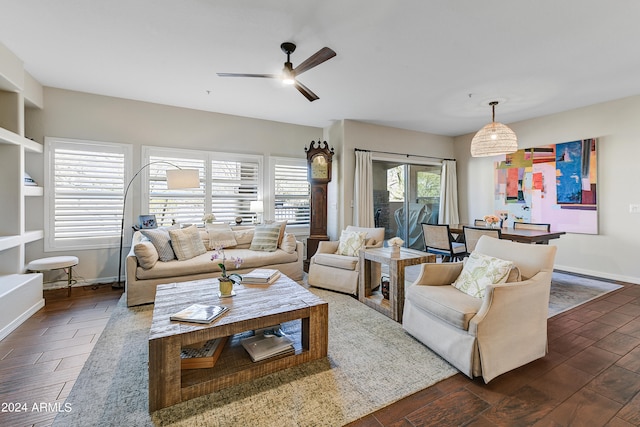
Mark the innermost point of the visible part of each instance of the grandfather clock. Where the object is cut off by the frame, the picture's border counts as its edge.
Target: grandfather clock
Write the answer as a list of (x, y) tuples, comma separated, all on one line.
[(319, 175)]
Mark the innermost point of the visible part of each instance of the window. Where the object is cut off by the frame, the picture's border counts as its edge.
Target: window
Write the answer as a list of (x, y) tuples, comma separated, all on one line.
[(234, 180), (291, 191), (86, 181)]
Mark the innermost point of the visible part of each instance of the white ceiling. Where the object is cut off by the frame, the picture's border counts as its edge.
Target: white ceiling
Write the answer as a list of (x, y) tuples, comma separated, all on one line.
[(430, 66)]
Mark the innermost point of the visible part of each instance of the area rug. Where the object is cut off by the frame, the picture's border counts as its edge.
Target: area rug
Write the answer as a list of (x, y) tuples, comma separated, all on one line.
[(570, 290), (371, 363)]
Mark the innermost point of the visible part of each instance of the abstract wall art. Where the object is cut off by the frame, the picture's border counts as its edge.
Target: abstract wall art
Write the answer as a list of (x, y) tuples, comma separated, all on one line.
[(554, 184)]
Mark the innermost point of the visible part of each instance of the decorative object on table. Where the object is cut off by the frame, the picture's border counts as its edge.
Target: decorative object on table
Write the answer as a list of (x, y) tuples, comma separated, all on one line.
[(492, 221), (384, 286), (29, 181), (238, 220), (504, 216), (209, 218), (395, 243), (226, 280), (261, 276), (147, 221), (494, 139), (176, 179), (199, 355), (199, 313), (257, 207)]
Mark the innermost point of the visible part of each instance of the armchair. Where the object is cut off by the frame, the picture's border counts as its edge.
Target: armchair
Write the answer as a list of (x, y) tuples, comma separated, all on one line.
[(330, 270), (487, 336)]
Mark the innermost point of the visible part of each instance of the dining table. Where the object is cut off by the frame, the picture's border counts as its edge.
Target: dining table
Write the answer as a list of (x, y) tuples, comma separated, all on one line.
[(517, 235)]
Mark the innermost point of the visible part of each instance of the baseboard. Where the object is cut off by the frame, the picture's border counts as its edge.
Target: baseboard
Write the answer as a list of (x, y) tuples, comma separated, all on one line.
[(23, 317), (599, 274)]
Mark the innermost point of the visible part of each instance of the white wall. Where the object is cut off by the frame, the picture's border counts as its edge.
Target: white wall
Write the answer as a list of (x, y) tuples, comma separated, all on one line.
[(615, 252), (99, 118)]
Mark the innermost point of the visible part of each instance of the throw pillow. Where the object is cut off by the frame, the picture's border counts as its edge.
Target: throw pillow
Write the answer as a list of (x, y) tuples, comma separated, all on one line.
[(146, 253), (220, 236), (480, 271), (161, 241), (187, 243), (289, 243), (265, 238), (243, 237), (283, 227), (351, 242)]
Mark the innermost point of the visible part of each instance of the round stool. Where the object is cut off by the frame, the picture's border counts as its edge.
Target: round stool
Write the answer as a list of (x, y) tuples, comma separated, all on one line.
[(55, 263)]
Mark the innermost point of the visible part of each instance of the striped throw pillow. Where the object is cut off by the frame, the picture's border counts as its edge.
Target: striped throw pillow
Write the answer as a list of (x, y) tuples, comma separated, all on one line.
[(265, 238)]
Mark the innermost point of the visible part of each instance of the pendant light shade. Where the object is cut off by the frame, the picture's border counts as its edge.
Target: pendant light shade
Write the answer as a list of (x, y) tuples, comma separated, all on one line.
[(494, 139)]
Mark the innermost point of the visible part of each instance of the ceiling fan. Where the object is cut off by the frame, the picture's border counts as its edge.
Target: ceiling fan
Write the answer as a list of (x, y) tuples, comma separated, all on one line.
[(289, 74)]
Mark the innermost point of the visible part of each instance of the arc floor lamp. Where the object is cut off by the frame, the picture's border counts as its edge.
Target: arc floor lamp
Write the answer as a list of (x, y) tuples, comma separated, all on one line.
[(176, 179)]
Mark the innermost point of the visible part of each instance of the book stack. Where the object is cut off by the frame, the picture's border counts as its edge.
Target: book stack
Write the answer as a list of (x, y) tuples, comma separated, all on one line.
[(199, 313), (262, 347), (201, 355), (260, 276)]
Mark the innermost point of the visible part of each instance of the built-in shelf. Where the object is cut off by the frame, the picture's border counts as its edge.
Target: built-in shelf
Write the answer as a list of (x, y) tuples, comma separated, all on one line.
[(30, 190), (32, 236), (8, 242)]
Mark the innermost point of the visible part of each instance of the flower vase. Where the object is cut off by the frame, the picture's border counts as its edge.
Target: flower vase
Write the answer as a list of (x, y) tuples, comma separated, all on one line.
[(226, 287), (395, 251)]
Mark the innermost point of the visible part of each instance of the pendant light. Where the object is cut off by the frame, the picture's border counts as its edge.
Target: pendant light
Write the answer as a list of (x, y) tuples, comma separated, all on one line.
[(494, 139)]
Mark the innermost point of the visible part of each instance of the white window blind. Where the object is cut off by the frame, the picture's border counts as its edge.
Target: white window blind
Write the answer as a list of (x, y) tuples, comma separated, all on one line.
[(86, 181), (232, 182), (183, 205), (292, 191)]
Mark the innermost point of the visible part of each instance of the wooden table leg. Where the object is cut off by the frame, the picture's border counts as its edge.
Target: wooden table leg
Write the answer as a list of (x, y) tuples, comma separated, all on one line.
[(164, 372)]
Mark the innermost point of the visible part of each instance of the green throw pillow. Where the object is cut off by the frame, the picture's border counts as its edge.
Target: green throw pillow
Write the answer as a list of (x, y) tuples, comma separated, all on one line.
[(351, 242), (480, 271)]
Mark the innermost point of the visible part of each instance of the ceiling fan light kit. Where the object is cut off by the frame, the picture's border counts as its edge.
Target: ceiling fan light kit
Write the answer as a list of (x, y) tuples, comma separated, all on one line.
[(289, 74), (494, 139)]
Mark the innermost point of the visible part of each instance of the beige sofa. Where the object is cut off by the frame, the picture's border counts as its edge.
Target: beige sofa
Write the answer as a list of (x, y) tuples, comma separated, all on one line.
[(488, 336), (141, 282)]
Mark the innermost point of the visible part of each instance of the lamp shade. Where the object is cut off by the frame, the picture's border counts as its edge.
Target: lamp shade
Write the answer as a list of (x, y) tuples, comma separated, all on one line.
[(494, 139), (256, 206), (182, 178)]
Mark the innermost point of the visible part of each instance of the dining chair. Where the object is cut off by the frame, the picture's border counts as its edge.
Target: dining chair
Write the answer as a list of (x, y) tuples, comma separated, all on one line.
[(532, 226), (439, 241), (479, 222), (473, 234)]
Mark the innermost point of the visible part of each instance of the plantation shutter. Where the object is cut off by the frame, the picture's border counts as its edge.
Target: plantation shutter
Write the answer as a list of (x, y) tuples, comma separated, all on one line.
[(234, 184), (292, 192)]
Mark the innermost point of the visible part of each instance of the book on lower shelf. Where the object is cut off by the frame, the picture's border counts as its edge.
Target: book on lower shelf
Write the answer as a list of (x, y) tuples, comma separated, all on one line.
[(262, 347), (199, 313), (260, 275), (272, 280), (202, 355)]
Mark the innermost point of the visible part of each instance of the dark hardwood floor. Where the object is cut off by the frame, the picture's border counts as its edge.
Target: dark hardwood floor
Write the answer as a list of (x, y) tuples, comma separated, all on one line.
[(590, 377), (41, 359)]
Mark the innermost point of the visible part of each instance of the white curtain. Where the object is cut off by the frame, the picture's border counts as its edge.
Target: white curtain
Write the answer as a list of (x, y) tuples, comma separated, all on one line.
[(363, 191), (449, 194)]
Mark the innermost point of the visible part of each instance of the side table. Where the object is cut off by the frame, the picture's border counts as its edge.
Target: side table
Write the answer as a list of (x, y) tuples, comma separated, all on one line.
[(394, 306)]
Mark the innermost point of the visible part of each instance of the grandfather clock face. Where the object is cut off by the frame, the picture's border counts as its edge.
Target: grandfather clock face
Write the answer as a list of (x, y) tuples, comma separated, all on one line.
[(319, 168)]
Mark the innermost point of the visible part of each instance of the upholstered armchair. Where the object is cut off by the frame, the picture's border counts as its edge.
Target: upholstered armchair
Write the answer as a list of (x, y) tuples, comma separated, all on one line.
[(329, 269), (491, 334)]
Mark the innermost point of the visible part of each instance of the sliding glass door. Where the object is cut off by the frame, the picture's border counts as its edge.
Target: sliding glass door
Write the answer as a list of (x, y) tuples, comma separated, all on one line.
[(404, 196)]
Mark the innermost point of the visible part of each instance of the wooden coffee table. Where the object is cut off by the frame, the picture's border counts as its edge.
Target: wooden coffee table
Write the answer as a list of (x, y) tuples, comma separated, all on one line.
[(253, 307)]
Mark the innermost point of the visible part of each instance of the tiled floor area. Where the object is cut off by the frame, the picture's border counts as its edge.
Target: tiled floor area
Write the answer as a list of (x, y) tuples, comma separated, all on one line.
[(590, 377)]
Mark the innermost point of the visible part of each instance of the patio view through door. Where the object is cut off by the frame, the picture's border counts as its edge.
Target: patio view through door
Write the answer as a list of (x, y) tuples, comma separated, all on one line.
[(404, 196)]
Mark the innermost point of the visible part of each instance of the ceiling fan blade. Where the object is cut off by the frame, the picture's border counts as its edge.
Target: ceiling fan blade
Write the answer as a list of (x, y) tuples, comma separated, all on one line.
[(306, 91), (268, 76), (317, 58)]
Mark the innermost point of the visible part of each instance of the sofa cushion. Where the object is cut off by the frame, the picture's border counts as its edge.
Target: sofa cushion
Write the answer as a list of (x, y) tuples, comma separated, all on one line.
[(220, 236), (203, 264), (337, 261), (187, 243), (446, 303), (146, 253), (351, 242), (480, 271), (162, 242), (265, 238)]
